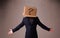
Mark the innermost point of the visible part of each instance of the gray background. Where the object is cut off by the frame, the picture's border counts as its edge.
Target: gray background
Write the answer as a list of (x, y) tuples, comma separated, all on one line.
[(11, 15)]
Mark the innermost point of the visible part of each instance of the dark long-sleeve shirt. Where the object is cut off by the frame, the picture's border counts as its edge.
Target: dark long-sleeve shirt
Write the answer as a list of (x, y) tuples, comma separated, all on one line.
[(30, 24)]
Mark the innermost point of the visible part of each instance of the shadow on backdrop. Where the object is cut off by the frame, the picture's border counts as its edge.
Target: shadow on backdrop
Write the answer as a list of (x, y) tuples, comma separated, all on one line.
[(3, 5)]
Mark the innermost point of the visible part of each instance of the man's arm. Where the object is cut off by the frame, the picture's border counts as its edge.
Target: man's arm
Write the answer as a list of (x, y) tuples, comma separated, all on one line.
[(42, 25), (16, 28)]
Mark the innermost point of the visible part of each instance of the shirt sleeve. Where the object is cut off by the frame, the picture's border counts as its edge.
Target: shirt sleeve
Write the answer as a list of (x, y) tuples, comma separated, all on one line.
[(42, 25), (18, 27)]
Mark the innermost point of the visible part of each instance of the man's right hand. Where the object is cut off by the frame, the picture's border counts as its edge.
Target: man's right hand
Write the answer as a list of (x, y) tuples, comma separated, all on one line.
[(10, 32)]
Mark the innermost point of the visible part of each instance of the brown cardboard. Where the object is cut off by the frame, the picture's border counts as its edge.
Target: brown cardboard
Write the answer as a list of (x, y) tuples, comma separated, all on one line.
[(29, 11)]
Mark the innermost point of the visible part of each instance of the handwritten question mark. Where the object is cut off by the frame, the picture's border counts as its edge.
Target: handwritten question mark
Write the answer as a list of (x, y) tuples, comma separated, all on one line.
[(30, 10)]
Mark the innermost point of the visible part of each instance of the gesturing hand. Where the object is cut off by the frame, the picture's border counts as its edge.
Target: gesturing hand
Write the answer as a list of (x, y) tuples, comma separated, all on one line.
[(10, 32), (51, 30)]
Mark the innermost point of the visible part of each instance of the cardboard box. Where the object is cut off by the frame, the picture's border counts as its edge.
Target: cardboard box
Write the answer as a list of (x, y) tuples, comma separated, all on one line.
[(29, 11)]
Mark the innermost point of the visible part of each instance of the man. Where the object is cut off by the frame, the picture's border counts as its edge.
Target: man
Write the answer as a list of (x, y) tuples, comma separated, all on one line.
[(30, 21)]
